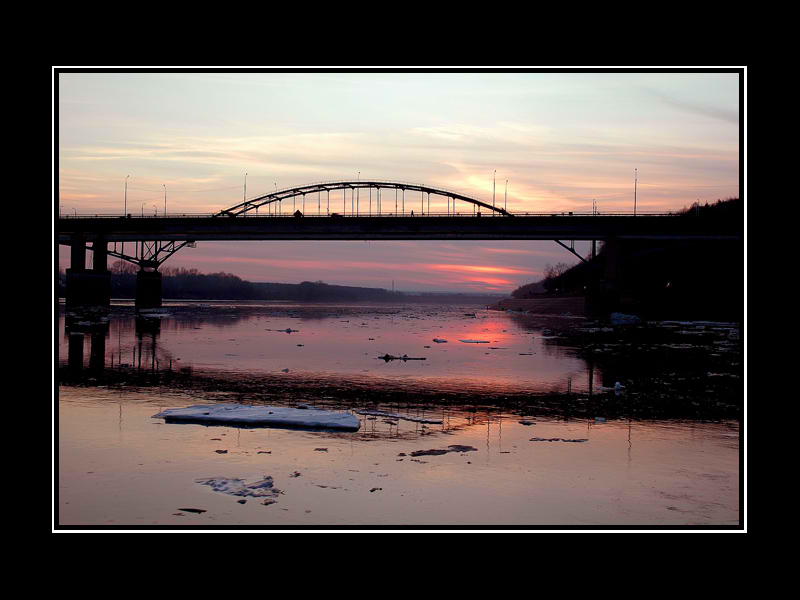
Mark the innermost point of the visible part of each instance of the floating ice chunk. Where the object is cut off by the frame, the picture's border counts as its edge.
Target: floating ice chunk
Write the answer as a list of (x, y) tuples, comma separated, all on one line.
[(474, 341), (617, 387), (621, 319), (238, 487), (439, 341), (279, 416)]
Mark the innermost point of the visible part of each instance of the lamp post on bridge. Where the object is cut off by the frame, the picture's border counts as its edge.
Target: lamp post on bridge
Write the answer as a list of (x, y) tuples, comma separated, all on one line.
[(505, 202), (125, 209), (165, 200), (494, 187)]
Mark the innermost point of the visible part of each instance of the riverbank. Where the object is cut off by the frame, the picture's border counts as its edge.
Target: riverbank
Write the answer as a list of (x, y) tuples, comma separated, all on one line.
[(570, 306)]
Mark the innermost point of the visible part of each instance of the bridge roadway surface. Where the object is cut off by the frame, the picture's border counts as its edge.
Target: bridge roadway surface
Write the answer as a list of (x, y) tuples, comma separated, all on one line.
[(430, 227)]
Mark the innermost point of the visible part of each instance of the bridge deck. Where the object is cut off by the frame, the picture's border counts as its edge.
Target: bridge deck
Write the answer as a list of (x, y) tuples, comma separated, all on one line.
[(467, 227)]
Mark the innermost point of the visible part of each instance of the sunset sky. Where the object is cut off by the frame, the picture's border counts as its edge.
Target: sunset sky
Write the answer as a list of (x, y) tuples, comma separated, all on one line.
[(560, 139)]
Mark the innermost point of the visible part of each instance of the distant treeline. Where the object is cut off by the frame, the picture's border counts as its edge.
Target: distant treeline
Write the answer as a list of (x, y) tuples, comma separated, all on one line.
[(190, 284), (670, 279)]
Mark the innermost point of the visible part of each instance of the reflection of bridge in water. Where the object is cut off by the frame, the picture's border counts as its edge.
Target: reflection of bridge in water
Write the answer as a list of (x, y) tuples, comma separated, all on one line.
[(143, 357), (152, 240)]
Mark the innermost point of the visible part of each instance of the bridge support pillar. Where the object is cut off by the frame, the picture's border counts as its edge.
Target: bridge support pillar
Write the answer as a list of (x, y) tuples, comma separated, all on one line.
[(100, 258), (84, 287), (148, 289), (603, 297)]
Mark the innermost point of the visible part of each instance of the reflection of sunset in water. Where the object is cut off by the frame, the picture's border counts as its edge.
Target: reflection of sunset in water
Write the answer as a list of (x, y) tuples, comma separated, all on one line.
[(512, 431), (342, 341)]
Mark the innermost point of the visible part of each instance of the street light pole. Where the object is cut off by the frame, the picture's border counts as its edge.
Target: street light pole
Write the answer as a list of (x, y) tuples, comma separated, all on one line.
[(125, 210), (165, 200), (505, 202), (494, 187)]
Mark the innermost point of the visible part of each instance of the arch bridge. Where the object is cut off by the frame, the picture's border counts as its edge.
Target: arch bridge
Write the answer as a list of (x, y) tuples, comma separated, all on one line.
[(365, 214)]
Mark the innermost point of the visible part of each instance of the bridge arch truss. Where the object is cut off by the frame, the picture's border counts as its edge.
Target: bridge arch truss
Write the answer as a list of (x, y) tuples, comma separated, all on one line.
[(354, 186)]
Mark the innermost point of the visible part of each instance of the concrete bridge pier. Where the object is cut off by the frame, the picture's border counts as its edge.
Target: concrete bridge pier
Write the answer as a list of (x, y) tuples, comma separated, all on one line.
[(88, 287), (148, 289), (604, 298)]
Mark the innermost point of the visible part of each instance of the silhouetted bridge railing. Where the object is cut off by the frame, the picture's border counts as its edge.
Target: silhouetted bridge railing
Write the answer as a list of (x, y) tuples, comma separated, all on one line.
[(547, 226)]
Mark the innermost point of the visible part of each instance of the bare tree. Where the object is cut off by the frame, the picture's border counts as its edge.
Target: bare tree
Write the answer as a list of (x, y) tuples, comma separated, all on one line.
[(121, 267)]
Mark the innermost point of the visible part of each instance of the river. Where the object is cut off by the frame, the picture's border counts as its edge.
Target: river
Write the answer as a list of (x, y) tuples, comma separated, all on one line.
[(522, 412)]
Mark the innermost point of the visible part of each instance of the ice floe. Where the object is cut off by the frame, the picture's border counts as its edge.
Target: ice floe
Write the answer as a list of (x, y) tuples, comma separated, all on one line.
[(617, 387), (234, 486), (621, 319), (241, 414)]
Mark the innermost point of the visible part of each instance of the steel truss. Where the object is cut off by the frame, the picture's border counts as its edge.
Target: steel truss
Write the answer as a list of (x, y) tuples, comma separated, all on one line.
[(148, 255)]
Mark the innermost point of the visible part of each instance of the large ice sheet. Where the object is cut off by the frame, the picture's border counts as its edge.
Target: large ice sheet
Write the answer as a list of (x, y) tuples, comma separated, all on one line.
[(242, 414)]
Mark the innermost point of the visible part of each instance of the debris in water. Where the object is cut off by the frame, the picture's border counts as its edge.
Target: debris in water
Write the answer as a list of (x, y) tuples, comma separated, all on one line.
[(538, 439), (388, 357), (527, 423), (380, 413), (438, 341), (437, 452), (474, 341), (194, 510)]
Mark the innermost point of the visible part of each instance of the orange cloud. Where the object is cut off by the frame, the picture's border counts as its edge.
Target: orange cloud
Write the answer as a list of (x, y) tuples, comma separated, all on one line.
[(480, 269)]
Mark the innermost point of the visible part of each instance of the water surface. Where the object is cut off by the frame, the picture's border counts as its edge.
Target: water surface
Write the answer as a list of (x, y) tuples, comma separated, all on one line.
[(664, 451)]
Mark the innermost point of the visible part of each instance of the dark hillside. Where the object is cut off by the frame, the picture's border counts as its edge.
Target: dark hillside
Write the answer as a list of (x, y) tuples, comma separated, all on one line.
[(669, 280)]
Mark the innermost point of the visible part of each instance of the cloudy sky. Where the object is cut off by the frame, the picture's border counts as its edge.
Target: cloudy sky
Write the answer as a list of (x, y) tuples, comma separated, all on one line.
[(559, 139)]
